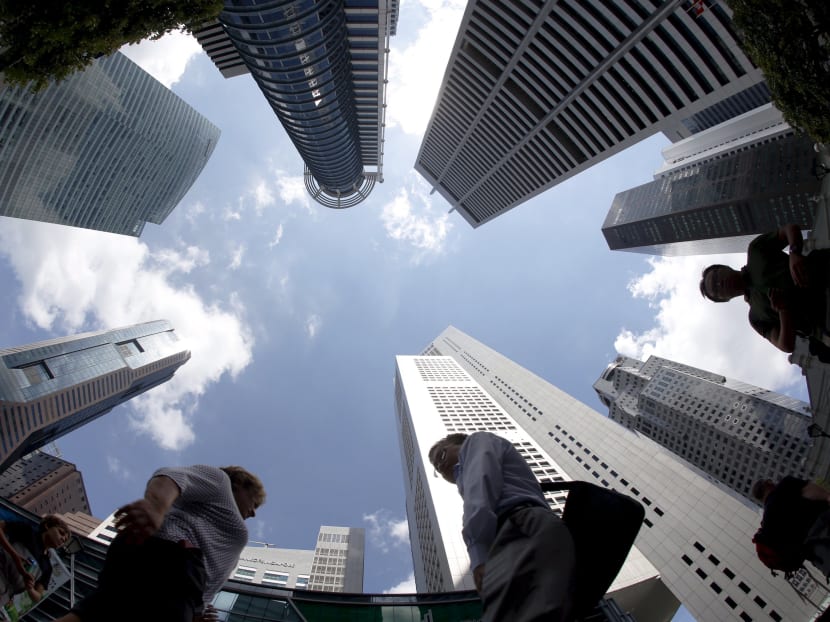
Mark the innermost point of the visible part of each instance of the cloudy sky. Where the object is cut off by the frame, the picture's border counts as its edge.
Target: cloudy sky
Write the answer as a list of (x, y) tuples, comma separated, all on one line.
[(294, 313)]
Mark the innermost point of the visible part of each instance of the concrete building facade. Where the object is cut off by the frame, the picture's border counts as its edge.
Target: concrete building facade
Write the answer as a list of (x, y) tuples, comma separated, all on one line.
[(109, 148), (48, 389), (536, 92), (44, 484), (697, 533), (735, 432)]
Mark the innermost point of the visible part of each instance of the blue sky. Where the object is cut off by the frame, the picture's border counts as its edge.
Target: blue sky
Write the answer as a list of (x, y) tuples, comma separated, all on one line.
[(294, 312)]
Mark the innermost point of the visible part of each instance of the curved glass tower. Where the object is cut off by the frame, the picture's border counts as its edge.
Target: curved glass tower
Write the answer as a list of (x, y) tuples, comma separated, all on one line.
[(109, 148), (322, 67)]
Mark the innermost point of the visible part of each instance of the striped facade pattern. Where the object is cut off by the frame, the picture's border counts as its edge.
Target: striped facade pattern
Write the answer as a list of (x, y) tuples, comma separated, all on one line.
[(322, 67), (109, 148), (536, 91), (49, 389)]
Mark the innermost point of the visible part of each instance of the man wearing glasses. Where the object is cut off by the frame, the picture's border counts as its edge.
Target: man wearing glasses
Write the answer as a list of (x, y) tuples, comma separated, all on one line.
[(786, 293), (521, 553)]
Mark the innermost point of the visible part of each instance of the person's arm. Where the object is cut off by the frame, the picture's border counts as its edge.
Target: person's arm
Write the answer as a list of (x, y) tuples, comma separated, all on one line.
[(142, 518), (13, 554), (482, 482), (815, 492), (783, 335), (791, 234)]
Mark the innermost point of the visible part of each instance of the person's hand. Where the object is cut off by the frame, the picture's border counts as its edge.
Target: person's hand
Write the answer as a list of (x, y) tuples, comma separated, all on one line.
[(19, 562), (139, 520), (778, 300), (478, 577), (798, 270), (208, 615)]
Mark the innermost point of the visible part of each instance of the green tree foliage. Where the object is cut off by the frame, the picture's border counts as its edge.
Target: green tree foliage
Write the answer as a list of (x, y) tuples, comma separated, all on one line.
[(46, 40), (790, 41)]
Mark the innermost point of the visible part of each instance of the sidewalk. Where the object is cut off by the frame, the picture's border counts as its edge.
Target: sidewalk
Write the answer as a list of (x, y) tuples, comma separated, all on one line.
[(816, 373)]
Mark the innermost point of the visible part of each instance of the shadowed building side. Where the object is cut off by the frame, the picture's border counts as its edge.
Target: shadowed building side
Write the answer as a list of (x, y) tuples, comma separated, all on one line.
[(48, 389)]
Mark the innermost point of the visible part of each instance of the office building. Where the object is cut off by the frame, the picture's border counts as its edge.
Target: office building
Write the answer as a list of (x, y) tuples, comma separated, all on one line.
[(44, 484), (334, 565), (733, 431), (322, 66), (109, 148), (48, 389), (536, 92), (696, 533), (720, 188)]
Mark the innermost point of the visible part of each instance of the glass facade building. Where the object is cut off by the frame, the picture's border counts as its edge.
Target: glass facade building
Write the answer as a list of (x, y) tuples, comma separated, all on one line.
[(718, 204), (322, 66), (48, 389), (697, 533), (536, 92), (736, 432), (109, 148)]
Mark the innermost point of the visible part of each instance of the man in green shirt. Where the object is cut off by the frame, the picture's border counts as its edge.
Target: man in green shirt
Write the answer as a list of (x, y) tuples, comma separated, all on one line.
[(786, 293)]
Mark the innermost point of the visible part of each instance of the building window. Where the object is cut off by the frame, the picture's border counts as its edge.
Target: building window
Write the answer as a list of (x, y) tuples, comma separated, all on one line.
[(277, 578), (36, 373), (244, 573)]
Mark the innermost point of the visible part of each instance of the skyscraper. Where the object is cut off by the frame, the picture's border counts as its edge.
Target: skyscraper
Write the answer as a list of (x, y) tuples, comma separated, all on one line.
[(735, 432), (322, 66), (52, 387), (697, 533), (334, 565), (44, 484), (720, 188), (109, 148), (536, 92)]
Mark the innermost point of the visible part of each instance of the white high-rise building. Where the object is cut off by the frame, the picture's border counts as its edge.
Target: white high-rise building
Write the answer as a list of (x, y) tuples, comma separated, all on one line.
[(697, 533), (736, 432)]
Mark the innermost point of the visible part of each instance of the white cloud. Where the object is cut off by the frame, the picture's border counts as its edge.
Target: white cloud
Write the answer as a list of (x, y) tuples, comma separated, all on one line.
[(169, 260), (410, 217), (231, 214), (165, 59), (407, 586), (74, 279), (385, 531), (117, 468), (236, 257), (277, 237), (194, 211), (416, 71), (695, 331), (313, 324), (292, 190), (263, 197)]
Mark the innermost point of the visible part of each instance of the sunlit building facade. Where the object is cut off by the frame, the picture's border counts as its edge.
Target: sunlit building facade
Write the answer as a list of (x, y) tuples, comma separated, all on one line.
[(44, 484), (109, 148), (334, 565), (322, 66), (720, 188), (735, 432), (48, 389), (697, 533), (536, 92)]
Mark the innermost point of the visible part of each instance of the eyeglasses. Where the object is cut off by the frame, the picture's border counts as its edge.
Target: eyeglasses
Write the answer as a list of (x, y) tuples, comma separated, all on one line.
[(439, 462)]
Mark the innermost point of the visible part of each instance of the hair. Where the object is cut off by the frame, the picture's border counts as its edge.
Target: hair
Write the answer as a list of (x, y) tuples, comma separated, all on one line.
[(759, 488), (241, 478), (450, 439), (52, 520), (703, 291)]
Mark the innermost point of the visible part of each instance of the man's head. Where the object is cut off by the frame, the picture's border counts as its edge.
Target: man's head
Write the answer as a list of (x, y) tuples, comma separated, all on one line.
[(762, 488), (248, 491), (54, 531), (444, 455), (720, 283)]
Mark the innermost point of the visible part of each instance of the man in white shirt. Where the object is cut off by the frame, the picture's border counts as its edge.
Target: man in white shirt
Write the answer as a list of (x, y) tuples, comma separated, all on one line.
[(521, 553)]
